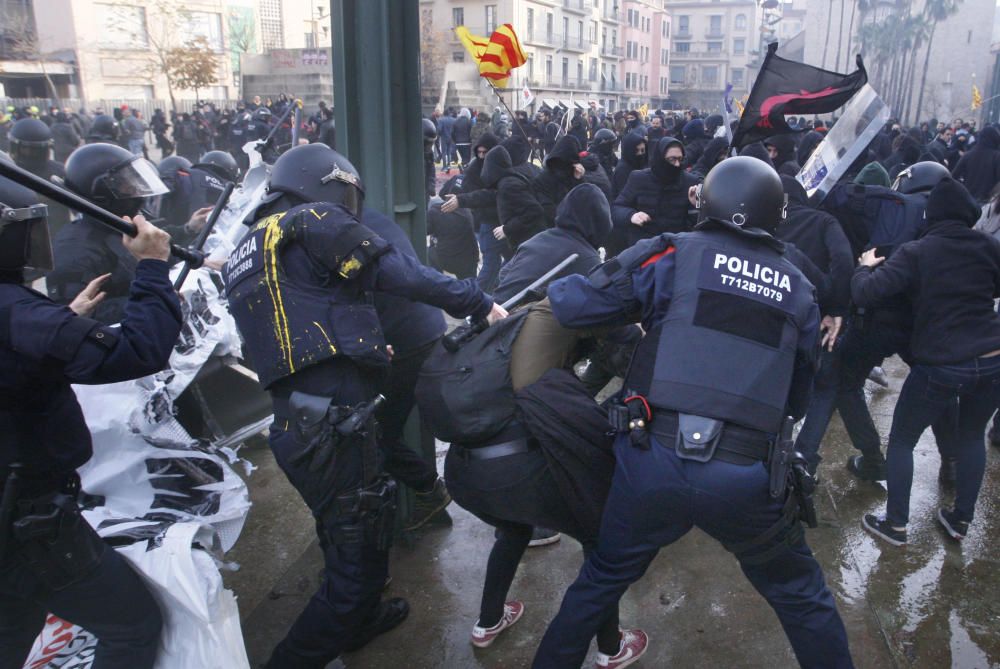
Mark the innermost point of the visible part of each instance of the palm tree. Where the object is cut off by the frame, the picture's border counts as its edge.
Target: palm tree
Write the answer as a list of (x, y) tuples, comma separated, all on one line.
[(935, 11), (850, 34), (826, 43)]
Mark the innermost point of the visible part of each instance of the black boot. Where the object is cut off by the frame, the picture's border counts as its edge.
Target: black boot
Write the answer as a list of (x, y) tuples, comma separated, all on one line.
[(387, 615), (868, 468)]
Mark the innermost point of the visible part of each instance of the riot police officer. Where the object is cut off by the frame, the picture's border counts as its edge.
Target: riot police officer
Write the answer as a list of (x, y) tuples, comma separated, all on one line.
[(115, 179), (51, 561), (731, 329), (103, 129), (193, 188), (31, 149), (299, 286)]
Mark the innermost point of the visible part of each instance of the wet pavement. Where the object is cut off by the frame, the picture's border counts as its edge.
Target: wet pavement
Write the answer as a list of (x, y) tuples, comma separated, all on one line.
[(933, 603)]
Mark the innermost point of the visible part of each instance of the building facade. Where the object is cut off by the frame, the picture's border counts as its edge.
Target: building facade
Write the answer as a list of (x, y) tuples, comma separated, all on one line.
[(643, 67), (713, 43), (578, 50)]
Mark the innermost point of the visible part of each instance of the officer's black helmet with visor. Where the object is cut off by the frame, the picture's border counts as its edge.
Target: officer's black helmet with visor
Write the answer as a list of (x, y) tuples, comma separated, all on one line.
[(316, 173), (24, 230), (113, 177), (920, 177), (30, 142), (743, 191)]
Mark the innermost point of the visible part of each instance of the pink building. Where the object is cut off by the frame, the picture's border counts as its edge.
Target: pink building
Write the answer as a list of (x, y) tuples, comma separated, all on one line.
[(645, 53)]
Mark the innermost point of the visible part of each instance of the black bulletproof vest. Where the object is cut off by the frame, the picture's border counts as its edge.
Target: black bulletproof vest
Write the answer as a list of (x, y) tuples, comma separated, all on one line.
[(727, 346)]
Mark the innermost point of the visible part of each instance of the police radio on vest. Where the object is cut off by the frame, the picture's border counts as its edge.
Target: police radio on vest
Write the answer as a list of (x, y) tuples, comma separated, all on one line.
[(754, 271)]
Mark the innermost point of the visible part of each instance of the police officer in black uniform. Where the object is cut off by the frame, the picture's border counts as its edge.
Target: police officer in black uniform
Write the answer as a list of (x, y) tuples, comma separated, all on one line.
[(732, 331), (103, 129), (51, 561), (31, 149), (193, 188), (112, 177), (299, 286)]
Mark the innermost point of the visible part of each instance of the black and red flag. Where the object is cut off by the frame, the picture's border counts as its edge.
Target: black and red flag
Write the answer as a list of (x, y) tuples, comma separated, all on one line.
[(786, 87)]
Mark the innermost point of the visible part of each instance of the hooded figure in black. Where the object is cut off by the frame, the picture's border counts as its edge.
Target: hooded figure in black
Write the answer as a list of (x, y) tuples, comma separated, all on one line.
[(519, 151), (594, 174), (979, 168), (583, 222), (784, 150), (520, 214), (559, 176), (807, 146), (695, 141), (906, 153), (714, 153), (661, 192), (634, 154), (453, 248), (474, 195), (757, 150)]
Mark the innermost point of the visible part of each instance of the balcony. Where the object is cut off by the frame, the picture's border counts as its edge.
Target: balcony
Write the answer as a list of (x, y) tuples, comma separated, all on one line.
[(714, 33), (700, 54), (577, 6), (613, 14), (682, 34), (611, 87), (544, 39), (611, 51), (567, 83), (580, 44)]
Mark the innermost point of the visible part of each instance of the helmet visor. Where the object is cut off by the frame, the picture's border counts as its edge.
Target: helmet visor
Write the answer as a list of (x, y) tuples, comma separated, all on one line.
[(134, 178), (34, 226)]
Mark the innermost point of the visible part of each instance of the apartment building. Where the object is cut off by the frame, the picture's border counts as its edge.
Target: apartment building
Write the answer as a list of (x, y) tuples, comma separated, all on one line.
[(576, 48), (712, 44), (646, 56)]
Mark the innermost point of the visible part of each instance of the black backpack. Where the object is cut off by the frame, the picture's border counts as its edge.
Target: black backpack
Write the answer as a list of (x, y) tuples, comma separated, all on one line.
[(467, 397)]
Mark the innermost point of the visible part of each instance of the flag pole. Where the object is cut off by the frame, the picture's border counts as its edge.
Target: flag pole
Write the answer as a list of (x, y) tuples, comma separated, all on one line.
[(513, 116)]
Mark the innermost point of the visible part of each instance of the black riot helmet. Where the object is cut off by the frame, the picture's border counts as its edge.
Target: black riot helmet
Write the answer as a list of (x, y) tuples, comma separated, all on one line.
[(430, 132), (262, 114), (113, 178), (30, 142), (920, 177), (744, 191), (103, 129), (604, 139), (24, 229), (221, 164), (316, 173), (169, 165)]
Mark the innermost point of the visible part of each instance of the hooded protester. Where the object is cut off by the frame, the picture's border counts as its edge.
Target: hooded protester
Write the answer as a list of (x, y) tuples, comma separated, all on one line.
[(979, 168), (603, 145), (655, 200), (873, 174), (583, 222), (461, 133), (520, 150), (757, 150), (578, 128), (64, 138), (559, 177), (960, 144), (633, 158), (950, 274), (712, 124), (695, 141), (808, 144), (906, 151), (715, 152), (453, 246), (594, 174), (632, 121), (781, 148), (521, 216)]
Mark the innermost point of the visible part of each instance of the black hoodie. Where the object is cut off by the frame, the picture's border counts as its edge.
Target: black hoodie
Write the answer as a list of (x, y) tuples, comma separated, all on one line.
[(979, 168), (710, 157), (583, 222), (629, 162), (519, 212), (519, 150), (557, 179), (660, 191), (785, 145), (475, 195), (819, 235), (807, 146), (951, 274)]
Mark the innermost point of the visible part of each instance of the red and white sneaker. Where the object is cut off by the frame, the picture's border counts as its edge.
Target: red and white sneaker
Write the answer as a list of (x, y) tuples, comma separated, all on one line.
[(633, 646), (484, 636)]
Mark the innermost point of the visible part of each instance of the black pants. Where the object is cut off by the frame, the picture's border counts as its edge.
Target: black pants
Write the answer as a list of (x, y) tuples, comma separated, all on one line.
[(402, 462), (112, 603), (513, 494), (462, 266)]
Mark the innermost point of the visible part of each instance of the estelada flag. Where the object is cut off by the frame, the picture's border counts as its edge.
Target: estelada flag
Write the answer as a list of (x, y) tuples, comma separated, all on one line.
[(496, 56), (787, 87)]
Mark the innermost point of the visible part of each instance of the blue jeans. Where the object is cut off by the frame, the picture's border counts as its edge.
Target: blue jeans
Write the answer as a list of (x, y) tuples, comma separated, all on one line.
[(656, 498), (928, 393), (135, 146), (492, 250)]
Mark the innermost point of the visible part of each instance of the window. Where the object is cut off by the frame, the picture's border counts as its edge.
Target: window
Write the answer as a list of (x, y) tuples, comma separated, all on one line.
[(579, 72), (738, 77), (633, 18), (710, 74), (715, 25), (665, 29), (682, 47), (458, 56), (548, 27), (631, 50), (593, 32), (310, 41), (683, 24), (741, 21), (579, 32), (531, 24), (122, 26), (548, 67), (663, 86), (565, 30), (491, 19), (678, 73), (457, 17), (209, 26), (565, 70), (664, 57), (739, 46), (593, 69), (715, 47)]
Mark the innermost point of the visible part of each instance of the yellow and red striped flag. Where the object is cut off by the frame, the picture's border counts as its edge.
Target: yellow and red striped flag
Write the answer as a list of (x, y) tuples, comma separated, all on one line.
[(496, 56), (977, 98)]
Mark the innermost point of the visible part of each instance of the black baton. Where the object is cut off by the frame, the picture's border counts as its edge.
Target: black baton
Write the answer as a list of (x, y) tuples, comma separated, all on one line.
[(199, 241)]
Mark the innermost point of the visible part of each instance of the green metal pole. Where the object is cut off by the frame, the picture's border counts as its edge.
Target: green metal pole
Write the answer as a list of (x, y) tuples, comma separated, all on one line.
[(376, 85)]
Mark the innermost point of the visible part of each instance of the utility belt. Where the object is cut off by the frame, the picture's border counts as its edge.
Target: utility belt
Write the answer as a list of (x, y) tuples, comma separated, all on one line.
[(885, 316), (512, 440), (704, 439), (45, 532)]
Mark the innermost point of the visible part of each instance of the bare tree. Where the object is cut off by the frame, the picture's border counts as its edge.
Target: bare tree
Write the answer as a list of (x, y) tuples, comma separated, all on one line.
[(20, 41), (433, 55)]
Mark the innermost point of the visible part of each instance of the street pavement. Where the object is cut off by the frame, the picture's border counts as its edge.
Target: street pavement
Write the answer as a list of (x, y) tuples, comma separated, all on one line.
[(933, 603)]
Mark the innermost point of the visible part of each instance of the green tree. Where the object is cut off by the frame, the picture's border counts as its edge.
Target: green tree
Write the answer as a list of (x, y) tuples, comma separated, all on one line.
[(192, 66)]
